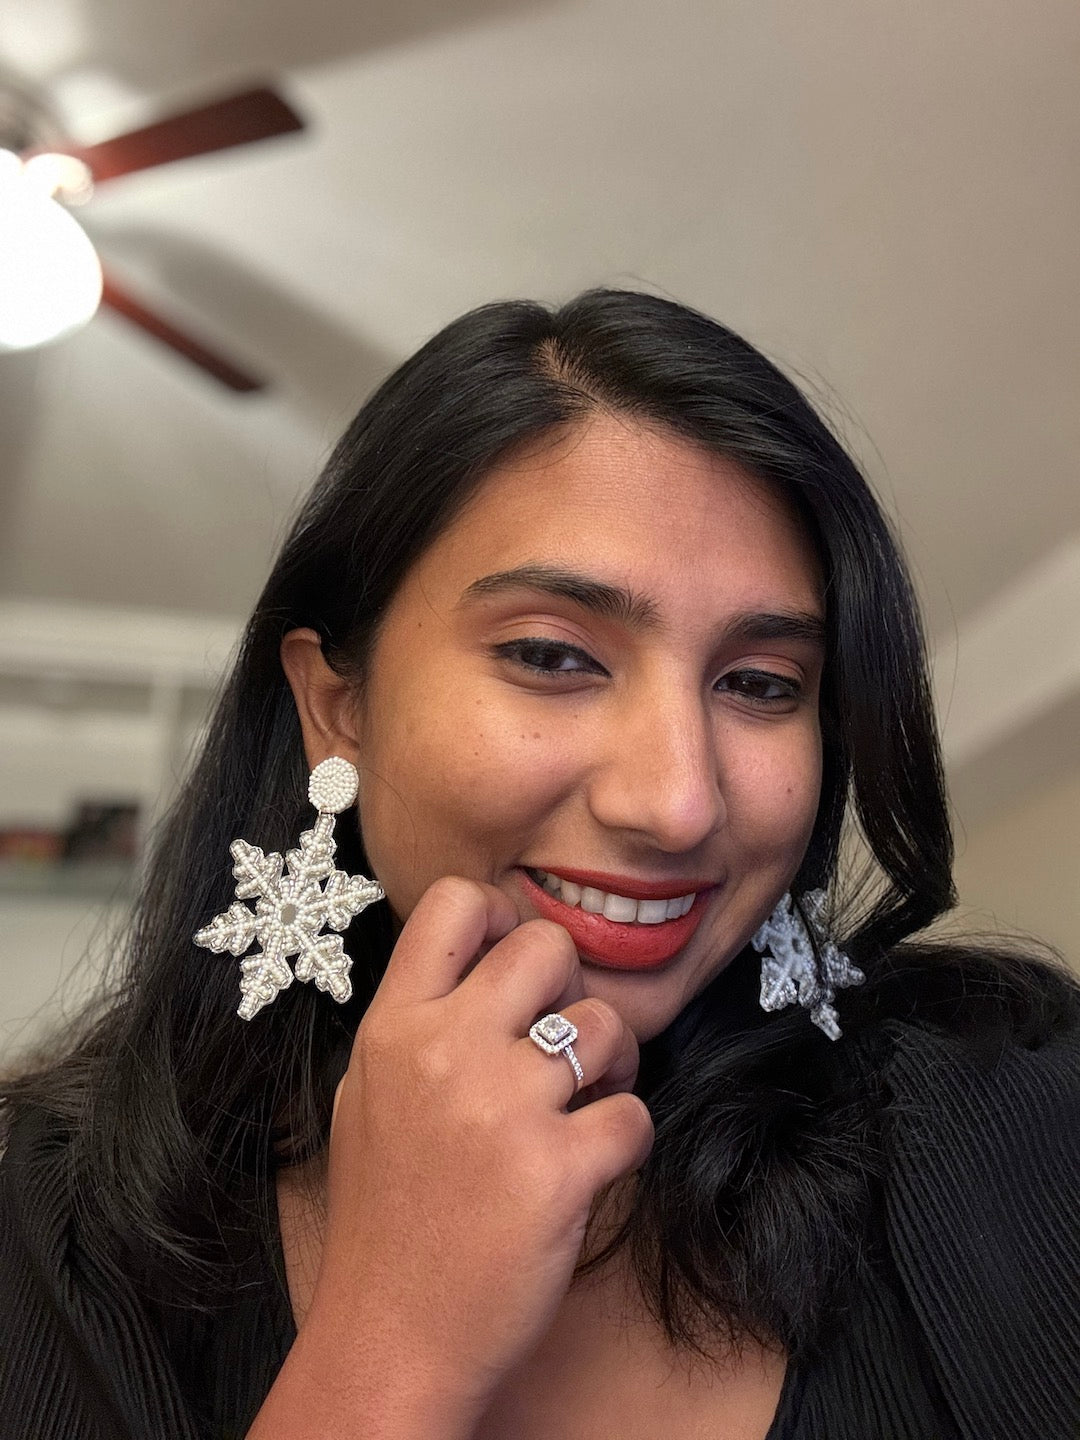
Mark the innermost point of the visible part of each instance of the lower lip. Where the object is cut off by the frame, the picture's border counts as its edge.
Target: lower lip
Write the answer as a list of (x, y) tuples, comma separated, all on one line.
[(626, 946)]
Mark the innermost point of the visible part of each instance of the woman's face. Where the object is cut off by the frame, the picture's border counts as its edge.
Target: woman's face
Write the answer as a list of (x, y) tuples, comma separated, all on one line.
[(598, 691)]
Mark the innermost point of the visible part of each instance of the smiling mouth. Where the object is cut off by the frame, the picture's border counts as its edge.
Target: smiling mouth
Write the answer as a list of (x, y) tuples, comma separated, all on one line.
[(622, 909), (643, 939)]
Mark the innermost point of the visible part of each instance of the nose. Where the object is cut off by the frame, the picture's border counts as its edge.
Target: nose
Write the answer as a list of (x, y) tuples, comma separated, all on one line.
[(660, 773)]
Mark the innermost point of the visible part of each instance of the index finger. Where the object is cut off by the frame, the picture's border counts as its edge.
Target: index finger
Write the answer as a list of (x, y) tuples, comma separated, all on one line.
[(450, 924)]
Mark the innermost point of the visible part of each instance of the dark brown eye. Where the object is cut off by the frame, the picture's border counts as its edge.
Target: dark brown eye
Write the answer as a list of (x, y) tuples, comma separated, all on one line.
[(760, 687), (549, 657)]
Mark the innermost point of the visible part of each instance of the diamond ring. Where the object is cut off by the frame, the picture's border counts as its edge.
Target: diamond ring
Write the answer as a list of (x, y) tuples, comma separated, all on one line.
[(555, 1035)]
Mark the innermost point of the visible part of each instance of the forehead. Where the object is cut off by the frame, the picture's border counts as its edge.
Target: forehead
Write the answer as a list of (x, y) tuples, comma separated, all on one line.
[(639, 507)]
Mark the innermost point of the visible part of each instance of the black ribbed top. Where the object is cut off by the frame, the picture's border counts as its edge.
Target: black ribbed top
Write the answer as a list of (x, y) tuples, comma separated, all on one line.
[(969, 1330)]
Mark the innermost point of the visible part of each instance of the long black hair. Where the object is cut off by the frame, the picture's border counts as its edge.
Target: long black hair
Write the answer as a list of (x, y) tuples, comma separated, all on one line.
[(179, 1113)]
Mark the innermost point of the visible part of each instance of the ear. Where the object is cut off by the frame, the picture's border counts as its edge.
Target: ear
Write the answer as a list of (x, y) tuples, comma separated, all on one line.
[(325, 703)]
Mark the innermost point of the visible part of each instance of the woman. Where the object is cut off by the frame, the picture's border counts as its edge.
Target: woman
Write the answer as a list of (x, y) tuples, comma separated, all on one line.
[(617, 641)]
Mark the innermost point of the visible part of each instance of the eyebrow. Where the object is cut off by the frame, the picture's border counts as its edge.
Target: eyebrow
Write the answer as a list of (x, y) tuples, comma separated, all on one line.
[(610, 602), (638, 612), (802, 625)]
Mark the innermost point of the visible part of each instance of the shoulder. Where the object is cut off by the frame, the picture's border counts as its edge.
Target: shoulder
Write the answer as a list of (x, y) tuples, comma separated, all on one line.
[(982, 993), (41, 1258), (39, 1351), (969, 1046), (34, 1190), (79, 1358), (981, 1198), (996, 1104), (979, 1069)]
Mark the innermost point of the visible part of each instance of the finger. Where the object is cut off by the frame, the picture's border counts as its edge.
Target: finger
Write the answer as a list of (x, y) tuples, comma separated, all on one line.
[(605, 1048), (451, 922), (611, 1137), (618, 1076), (532, 970)]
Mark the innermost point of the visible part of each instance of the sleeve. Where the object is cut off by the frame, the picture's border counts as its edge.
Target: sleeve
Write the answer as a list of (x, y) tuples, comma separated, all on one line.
[(77, 1360), (982, 1214)]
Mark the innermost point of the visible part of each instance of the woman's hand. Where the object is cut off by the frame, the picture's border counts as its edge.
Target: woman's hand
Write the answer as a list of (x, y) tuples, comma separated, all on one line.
[(459, 1184)]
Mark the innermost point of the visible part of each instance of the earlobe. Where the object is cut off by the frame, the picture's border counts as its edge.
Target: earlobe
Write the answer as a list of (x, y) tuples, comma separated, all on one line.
[(325, 702)]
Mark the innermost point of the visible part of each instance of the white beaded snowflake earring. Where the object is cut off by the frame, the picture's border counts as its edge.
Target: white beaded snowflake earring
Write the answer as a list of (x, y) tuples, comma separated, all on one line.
[(791, 971), (291, 910)]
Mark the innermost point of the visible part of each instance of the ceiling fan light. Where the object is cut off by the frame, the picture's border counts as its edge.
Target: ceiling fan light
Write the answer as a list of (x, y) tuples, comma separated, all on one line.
[(63, 177), (50, 275)]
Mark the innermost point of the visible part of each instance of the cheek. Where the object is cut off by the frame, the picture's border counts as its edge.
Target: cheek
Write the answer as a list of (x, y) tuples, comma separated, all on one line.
[(803, 789), (454, 787), (776, 799)]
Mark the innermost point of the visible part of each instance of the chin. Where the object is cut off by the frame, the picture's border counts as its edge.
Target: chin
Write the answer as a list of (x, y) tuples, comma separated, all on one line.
[(647, 1001)]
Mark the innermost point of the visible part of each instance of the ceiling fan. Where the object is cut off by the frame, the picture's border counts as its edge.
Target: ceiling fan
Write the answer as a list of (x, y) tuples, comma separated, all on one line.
[(239, 119)]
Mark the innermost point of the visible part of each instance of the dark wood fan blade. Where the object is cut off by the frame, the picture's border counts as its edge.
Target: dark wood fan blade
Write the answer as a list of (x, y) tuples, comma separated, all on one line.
[(216, 365), (239, 120)]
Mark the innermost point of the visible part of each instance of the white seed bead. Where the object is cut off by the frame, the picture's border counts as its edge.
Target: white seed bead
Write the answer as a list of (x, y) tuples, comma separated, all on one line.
[(333, 785)]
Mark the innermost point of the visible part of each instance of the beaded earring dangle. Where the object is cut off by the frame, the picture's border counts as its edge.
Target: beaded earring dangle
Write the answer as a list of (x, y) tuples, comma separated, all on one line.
[(292, 909), (790, 969)]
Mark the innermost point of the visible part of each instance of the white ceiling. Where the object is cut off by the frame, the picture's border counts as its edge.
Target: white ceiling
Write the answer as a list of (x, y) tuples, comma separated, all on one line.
[(884, 196)]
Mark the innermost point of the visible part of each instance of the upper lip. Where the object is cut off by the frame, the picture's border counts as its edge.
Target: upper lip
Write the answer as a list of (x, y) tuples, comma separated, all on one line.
[(633, 889)]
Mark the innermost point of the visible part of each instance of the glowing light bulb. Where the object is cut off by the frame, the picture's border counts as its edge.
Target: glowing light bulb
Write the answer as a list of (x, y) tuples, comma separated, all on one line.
[(62, 175), (50, 275)]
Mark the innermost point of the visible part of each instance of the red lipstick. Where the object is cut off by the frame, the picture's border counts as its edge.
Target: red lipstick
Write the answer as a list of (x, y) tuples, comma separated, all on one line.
[(609, 943)]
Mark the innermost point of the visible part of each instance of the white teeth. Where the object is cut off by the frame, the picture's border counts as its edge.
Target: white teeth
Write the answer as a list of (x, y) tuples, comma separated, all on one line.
[(651, 912), (620, 908)]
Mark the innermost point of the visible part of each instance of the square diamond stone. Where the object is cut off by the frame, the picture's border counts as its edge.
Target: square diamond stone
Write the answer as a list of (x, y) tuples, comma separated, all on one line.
[(552, 1033)]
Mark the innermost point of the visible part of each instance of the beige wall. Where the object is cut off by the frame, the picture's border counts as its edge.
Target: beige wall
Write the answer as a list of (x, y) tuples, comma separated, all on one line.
[(1020, 870), (53, 952)]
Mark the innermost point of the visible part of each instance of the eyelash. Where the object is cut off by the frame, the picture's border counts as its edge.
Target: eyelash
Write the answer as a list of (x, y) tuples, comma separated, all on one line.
[(517, 651)]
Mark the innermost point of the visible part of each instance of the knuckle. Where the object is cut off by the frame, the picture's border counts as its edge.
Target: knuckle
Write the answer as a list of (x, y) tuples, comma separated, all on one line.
[(455, 892), (383, 1027), (480, 1118), (600, 1022), (374, 1055), (629, 1121), (551, 940), (639, 1123), (539, 945), (433, 1062), (550, 935)]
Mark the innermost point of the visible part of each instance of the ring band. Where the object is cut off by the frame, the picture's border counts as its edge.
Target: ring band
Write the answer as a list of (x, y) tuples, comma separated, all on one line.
[(568, 1051), (555, 1035)]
